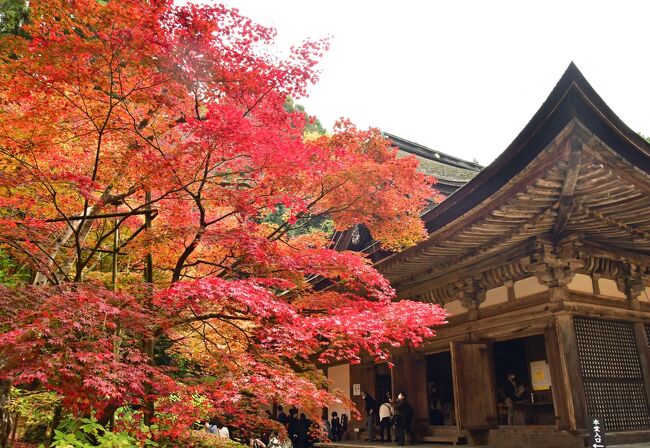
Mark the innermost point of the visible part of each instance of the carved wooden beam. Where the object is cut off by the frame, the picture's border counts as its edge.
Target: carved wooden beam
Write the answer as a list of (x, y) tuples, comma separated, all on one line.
[(555, 264), (567, 200), (631, 284)]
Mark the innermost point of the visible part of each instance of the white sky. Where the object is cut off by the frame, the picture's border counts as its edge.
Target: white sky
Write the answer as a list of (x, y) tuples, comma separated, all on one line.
[(464, 77)]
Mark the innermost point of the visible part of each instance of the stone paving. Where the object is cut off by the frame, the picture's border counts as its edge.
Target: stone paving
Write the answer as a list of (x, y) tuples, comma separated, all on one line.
[(359, 444)]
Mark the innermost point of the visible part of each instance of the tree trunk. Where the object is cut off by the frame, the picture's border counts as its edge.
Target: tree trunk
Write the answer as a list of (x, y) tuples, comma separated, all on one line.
[(5, 415), (13, 431), (55, 423)]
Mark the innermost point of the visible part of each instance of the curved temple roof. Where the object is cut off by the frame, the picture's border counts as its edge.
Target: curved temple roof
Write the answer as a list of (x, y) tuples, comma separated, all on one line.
[(575, 168)]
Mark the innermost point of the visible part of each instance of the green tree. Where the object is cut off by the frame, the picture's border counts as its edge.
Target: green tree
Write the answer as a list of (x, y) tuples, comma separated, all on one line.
[(313, 126), (11, 273), (645, 137), (13, 14)]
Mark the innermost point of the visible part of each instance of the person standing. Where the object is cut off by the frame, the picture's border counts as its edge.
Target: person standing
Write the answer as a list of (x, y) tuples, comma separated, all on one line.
[(337, 429), (369, 408), (293, 426), (344, 426), (385, 417), (304, 432), (327, 426), (223, 431), (514, 393), (403, 420), (282, 417)]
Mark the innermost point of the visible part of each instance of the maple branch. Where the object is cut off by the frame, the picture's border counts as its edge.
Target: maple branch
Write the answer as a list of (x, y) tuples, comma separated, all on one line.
[(249, 109), (203, 317)]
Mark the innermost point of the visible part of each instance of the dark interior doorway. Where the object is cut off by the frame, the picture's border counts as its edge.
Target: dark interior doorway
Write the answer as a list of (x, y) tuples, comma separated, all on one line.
[(526, 359), (383, 382), (440, 390)]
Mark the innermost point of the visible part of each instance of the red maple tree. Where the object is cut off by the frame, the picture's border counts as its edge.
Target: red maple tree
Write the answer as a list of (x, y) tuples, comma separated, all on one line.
[(159, 132)]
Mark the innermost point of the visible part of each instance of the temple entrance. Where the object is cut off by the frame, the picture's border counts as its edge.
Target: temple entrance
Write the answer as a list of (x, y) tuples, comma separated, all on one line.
[(440, 390), (523, 382), (383, 382)]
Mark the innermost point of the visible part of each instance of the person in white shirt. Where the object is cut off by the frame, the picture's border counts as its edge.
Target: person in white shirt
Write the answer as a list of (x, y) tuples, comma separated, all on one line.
[(223, 432), (385, 416)]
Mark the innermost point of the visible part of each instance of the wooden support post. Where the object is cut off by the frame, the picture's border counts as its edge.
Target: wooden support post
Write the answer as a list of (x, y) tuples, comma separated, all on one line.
[(572, 384), (419, 397), (594, 281), (356, 374), (364, 375), (557, 378), (510, 285), (409, 376)]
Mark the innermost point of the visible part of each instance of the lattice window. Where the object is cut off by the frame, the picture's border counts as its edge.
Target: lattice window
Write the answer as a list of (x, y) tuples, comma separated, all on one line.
[(612, 375)]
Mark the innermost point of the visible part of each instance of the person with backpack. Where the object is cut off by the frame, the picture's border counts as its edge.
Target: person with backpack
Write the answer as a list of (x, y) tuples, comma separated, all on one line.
[(403, 418), (385, 417)]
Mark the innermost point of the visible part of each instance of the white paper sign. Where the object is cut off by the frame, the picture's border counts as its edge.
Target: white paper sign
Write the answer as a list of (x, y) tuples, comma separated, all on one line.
[(356, 389), (540, 375)]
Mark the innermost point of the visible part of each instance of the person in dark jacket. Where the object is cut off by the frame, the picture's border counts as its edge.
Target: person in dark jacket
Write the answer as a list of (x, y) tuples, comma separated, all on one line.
[(337, 429), (369, 406), (513, 392), (304, 432), (344, 426), (403, 417), (282, 417), (293, 427)]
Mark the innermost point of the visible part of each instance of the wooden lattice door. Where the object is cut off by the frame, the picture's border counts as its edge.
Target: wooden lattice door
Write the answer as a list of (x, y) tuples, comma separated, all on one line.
[(612, 374)]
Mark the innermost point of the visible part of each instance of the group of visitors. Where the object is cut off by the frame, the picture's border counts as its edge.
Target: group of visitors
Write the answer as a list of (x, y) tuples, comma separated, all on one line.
[(266, 440), (299, 429), (300, 432), (336, 427), (389, 414), (215, 426)]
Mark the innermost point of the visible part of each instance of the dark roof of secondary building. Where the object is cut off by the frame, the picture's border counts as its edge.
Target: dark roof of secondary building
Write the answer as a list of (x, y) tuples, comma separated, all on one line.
[(450, 172), (445, 168)]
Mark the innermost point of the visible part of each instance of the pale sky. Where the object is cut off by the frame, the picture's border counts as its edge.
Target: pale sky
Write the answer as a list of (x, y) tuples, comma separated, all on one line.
[(464, 77)]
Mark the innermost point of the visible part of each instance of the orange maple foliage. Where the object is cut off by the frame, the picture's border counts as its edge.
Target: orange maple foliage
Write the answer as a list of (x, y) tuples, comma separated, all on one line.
[(113, 112)]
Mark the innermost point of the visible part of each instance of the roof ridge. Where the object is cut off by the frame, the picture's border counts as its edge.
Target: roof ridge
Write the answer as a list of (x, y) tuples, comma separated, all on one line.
[(432, 154)]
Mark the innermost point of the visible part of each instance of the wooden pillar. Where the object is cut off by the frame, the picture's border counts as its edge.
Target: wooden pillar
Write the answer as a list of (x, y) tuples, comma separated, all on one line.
[(356, 375), (409, 377), (571, 376), (399, 373), (557, 378), (418, 396)]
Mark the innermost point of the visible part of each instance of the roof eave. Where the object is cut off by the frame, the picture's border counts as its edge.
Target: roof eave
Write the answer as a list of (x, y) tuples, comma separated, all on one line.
[(572, 98)]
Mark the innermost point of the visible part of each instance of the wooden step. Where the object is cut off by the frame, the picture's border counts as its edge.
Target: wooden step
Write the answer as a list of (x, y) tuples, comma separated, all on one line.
[(453, 439)]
